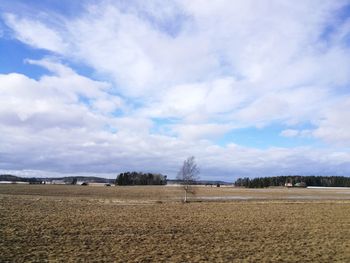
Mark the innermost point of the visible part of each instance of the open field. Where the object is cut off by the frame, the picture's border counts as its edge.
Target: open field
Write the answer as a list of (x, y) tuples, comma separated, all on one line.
[(148, 224), (173, 193)]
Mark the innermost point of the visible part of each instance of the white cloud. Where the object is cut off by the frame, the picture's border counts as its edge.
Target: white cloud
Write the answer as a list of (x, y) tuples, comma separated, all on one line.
[(55, 101), (107, 105), (306, 133), (36, 33), (334, 127), (201, 131), (209, 66), (287, 106), (53, 133)]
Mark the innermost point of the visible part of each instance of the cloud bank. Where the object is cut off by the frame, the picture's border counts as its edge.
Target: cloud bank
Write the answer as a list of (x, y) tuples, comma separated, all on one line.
[(170, 79)]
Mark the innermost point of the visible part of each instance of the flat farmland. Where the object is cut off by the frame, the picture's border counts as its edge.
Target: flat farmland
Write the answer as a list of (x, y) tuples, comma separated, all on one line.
[(57, 223)]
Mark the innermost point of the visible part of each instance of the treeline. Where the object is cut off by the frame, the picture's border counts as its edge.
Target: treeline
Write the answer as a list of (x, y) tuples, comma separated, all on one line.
[(135, 178), (90, 179), (10, 178), (67, 179), (294, 180), (14, 178)]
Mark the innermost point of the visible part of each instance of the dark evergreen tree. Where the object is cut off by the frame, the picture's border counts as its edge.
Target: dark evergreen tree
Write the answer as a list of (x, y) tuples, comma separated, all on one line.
[(295, 180), (135, 178)]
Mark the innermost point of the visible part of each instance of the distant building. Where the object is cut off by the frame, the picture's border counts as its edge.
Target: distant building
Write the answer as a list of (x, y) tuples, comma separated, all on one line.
[(58, 182), (288, 185), (301, 184)]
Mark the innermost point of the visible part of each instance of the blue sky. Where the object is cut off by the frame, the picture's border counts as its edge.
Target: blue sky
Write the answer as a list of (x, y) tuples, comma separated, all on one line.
[(102, 87)]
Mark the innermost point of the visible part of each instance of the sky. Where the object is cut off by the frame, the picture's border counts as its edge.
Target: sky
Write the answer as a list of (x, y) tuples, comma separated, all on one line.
[(250, 88)]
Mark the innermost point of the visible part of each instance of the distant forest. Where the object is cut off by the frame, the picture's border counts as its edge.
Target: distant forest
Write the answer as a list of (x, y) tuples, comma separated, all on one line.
[(295, 180), (135, 178), (67, 179)]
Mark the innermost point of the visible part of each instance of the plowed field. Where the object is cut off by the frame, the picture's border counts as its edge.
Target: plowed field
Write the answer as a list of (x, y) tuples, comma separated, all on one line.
[(140, 224)]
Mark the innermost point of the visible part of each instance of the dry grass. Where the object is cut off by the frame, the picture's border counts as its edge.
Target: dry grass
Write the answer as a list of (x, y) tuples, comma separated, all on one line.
[(171, 193), (65, 223)]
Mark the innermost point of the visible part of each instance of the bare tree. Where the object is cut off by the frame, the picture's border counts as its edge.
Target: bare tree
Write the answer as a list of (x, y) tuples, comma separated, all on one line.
[(188, 174)]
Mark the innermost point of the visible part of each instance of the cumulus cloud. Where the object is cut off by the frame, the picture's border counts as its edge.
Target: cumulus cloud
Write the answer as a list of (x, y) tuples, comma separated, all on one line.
[(334, 127), (206, 69)]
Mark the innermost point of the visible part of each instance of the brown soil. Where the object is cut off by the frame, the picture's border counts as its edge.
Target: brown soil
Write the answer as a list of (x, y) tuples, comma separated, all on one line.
[(97, 224)]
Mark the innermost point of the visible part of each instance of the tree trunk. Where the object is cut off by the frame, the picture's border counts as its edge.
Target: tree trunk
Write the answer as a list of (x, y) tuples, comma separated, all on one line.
[(185, 196)]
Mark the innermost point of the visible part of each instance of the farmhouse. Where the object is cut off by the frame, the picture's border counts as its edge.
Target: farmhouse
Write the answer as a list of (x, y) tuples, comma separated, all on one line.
[(288, 185), (58, 182)]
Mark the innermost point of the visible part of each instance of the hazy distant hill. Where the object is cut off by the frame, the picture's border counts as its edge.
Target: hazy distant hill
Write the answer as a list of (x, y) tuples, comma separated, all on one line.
[(89, 179), (11, 178), (67, 179)]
